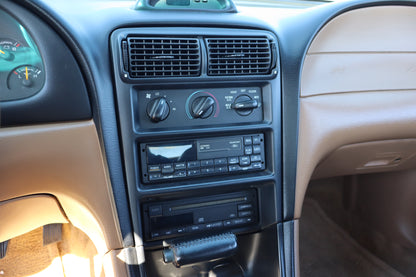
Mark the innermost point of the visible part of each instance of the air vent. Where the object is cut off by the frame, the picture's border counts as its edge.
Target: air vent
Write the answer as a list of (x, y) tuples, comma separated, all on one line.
[(239, 56), (163, 57)]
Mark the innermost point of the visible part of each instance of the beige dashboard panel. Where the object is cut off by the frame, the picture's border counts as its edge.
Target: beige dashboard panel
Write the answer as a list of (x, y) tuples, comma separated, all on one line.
[(368, 157), (328, 122), (63, 160), (375, 29), (368, 49), (24, 214), (358, 84), (350, 72)]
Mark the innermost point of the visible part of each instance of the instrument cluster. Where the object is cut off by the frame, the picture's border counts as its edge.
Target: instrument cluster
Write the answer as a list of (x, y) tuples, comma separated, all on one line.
[(21, 67)]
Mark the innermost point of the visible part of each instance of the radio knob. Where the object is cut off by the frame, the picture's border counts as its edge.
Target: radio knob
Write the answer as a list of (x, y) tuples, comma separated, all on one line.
[(202, 107), (158, 109), (244, 105)]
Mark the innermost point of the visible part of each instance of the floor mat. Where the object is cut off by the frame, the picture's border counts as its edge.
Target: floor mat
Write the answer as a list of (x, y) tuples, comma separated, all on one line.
[(74, 256), (26, 256), (327, 250)]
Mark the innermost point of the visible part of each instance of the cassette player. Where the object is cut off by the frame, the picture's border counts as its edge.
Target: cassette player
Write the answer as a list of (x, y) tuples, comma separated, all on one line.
[(213, 213), (202, 157)]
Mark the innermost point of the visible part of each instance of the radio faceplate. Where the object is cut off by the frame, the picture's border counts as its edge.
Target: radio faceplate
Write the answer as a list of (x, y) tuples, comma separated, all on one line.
[(202, 157), (200, 214)]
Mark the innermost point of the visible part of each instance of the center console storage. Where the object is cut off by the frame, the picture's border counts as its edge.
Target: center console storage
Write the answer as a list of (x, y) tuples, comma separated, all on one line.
[(201, 143)]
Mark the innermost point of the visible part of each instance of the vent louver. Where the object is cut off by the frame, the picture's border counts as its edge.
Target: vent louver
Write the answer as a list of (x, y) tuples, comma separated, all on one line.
[(163, 57), (239, 56)]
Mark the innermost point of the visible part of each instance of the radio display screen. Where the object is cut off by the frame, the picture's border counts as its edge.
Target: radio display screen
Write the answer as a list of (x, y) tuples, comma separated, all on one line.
[(162, 154)]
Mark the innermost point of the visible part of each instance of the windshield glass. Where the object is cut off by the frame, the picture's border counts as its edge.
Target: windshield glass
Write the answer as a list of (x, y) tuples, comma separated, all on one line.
[(281, 3)]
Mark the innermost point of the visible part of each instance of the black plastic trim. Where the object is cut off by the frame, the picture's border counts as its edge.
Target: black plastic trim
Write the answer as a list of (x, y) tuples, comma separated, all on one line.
[(202, 34), (131, 136)]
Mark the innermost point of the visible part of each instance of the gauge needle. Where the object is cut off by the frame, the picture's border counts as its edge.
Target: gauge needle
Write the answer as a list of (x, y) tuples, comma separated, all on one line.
[(27, 76), (2, 52)]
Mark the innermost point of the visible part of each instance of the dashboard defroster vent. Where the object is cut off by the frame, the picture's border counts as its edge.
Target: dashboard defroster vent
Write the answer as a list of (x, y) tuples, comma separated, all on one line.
[(161, 57), (239, 56)]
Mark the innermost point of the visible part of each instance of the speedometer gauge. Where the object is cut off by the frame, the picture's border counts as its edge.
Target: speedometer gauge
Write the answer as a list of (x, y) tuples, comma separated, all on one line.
[(26, 80)]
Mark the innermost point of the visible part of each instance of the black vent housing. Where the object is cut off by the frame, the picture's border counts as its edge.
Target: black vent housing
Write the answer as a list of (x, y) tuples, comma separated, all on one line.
[(159, 57), (239, 56)]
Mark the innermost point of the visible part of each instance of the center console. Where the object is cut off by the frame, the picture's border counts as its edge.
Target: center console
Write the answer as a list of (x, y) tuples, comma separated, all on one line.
[(199, 113)]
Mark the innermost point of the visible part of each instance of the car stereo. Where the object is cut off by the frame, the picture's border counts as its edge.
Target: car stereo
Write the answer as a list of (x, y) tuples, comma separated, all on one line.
[(200, 214), (187, 159)]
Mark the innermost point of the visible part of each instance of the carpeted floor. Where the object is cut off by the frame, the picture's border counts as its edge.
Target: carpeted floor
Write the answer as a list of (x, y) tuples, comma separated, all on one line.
[(327, 250), (74, 256)]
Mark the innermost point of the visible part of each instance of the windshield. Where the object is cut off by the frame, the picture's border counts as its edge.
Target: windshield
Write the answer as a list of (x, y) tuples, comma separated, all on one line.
[(281, 3)]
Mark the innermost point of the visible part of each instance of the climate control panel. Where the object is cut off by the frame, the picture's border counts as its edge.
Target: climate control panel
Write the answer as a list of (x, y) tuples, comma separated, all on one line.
[(197, 107)]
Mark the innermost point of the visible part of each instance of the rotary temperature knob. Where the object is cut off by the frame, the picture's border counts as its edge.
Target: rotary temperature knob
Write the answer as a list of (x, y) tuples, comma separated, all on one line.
[(158, 109), (244, 105), (202, 107)]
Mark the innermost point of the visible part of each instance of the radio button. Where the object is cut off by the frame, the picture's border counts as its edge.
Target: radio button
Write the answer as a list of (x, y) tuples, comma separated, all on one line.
[(155, 210), (167, 169), (233, 160), (227, 223), (245, 213), (222, 161), (179, 174), (168, 232), (238, 221), (256, 149), (246, 168), (194, 172), (194, 164), (213, 225), (180, 166), (207, 170), (248, 219), (193, 228), (221, 169), (256, 140), (181, 230), (154, 168), (155, 176), (155, 235), (232, 215), (244, 207), (234, 168), (248, 141), (207, 162), (200, 220), (244, 161), (248, 150), (255, 158), (257, 165)]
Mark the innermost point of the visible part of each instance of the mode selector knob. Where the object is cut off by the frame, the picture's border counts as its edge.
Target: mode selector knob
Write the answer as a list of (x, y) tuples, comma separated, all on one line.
[(244, 105), (202, 107), (158, 109)]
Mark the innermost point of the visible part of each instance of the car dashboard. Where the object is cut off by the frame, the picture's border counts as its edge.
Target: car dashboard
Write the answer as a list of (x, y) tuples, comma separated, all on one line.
[(182, 142)]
